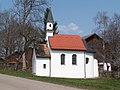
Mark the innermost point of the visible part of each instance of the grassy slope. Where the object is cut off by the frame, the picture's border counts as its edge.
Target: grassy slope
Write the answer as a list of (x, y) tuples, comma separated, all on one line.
[(91, 84)]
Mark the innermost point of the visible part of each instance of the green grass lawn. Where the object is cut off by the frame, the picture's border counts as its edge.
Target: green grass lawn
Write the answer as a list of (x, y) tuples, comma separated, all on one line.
[(90, 84)]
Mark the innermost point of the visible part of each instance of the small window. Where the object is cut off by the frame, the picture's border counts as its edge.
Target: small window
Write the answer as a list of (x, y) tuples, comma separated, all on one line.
[(74, 59), (62, 59), (44, 66), (87, 60)]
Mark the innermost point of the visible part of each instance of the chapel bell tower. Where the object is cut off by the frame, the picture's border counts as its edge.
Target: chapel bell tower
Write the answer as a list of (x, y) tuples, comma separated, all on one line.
[(49, 25)]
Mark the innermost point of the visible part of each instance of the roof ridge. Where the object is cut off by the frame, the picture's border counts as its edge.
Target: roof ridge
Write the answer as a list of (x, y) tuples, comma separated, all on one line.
[(68, 35)]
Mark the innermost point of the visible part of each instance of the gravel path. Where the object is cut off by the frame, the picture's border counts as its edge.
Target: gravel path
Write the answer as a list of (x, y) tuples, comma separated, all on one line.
[(16, 83)]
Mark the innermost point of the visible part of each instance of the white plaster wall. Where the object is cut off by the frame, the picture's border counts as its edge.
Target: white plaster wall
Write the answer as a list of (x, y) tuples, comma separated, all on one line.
[(90, 65), (49, 34), (68, 70), (40, 71), (48, 26), (96, 73)]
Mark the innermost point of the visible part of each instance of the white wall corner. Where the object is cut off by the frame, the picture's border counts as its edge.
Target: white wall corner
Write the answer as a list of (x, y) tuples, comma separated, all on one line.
[(49, 33)]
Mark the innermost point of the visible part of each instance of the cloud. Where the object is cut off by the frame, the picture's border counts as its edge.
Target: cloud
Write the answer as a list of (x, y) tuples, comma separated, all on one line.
[(71, 28)]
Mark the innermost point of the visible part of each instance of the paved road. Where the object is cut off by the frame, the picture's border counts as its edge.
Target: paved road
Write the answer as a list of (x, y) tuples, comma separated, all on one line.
[(16, 83)]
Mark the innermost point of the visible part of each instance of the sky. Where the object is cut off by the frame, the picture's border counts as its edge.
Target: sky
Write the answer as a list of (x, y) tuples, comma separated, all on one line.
[(76, 16)]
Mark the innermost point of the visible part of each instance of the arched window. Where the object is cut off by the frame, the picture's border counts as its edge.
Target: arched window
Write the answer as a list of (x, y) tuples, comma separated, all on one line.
[(74, 59), (87, 60), (62, 59)]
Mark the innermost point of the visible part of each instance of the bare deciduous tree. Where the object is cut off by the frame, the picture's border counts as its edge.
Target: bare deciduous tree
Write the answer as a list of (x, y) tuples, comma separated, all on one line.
[(28, 11), (7, 32), (110, 28)]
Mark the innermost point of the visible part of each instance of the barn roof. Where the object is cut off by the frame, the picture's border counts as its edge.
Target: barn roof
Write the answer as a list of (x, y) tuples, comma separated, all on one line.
[(66, 42), (89, 49), (91, 35)]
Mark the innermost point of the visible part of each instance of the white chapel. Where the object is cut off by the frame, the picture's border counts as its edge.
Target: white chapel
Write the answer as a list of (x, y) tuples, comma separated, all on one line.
[(63, 56)]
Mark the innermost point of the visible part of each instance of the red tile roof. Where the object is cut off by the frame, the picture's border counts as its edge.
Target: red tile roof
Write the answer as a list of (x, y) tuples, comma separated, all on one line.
[(66, 42)]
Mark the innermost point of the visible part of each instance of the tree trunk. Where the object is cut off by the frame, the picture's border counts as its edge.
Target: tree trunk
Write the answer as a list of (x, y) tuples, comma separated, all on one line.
[(24, 62), (23, 55)]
